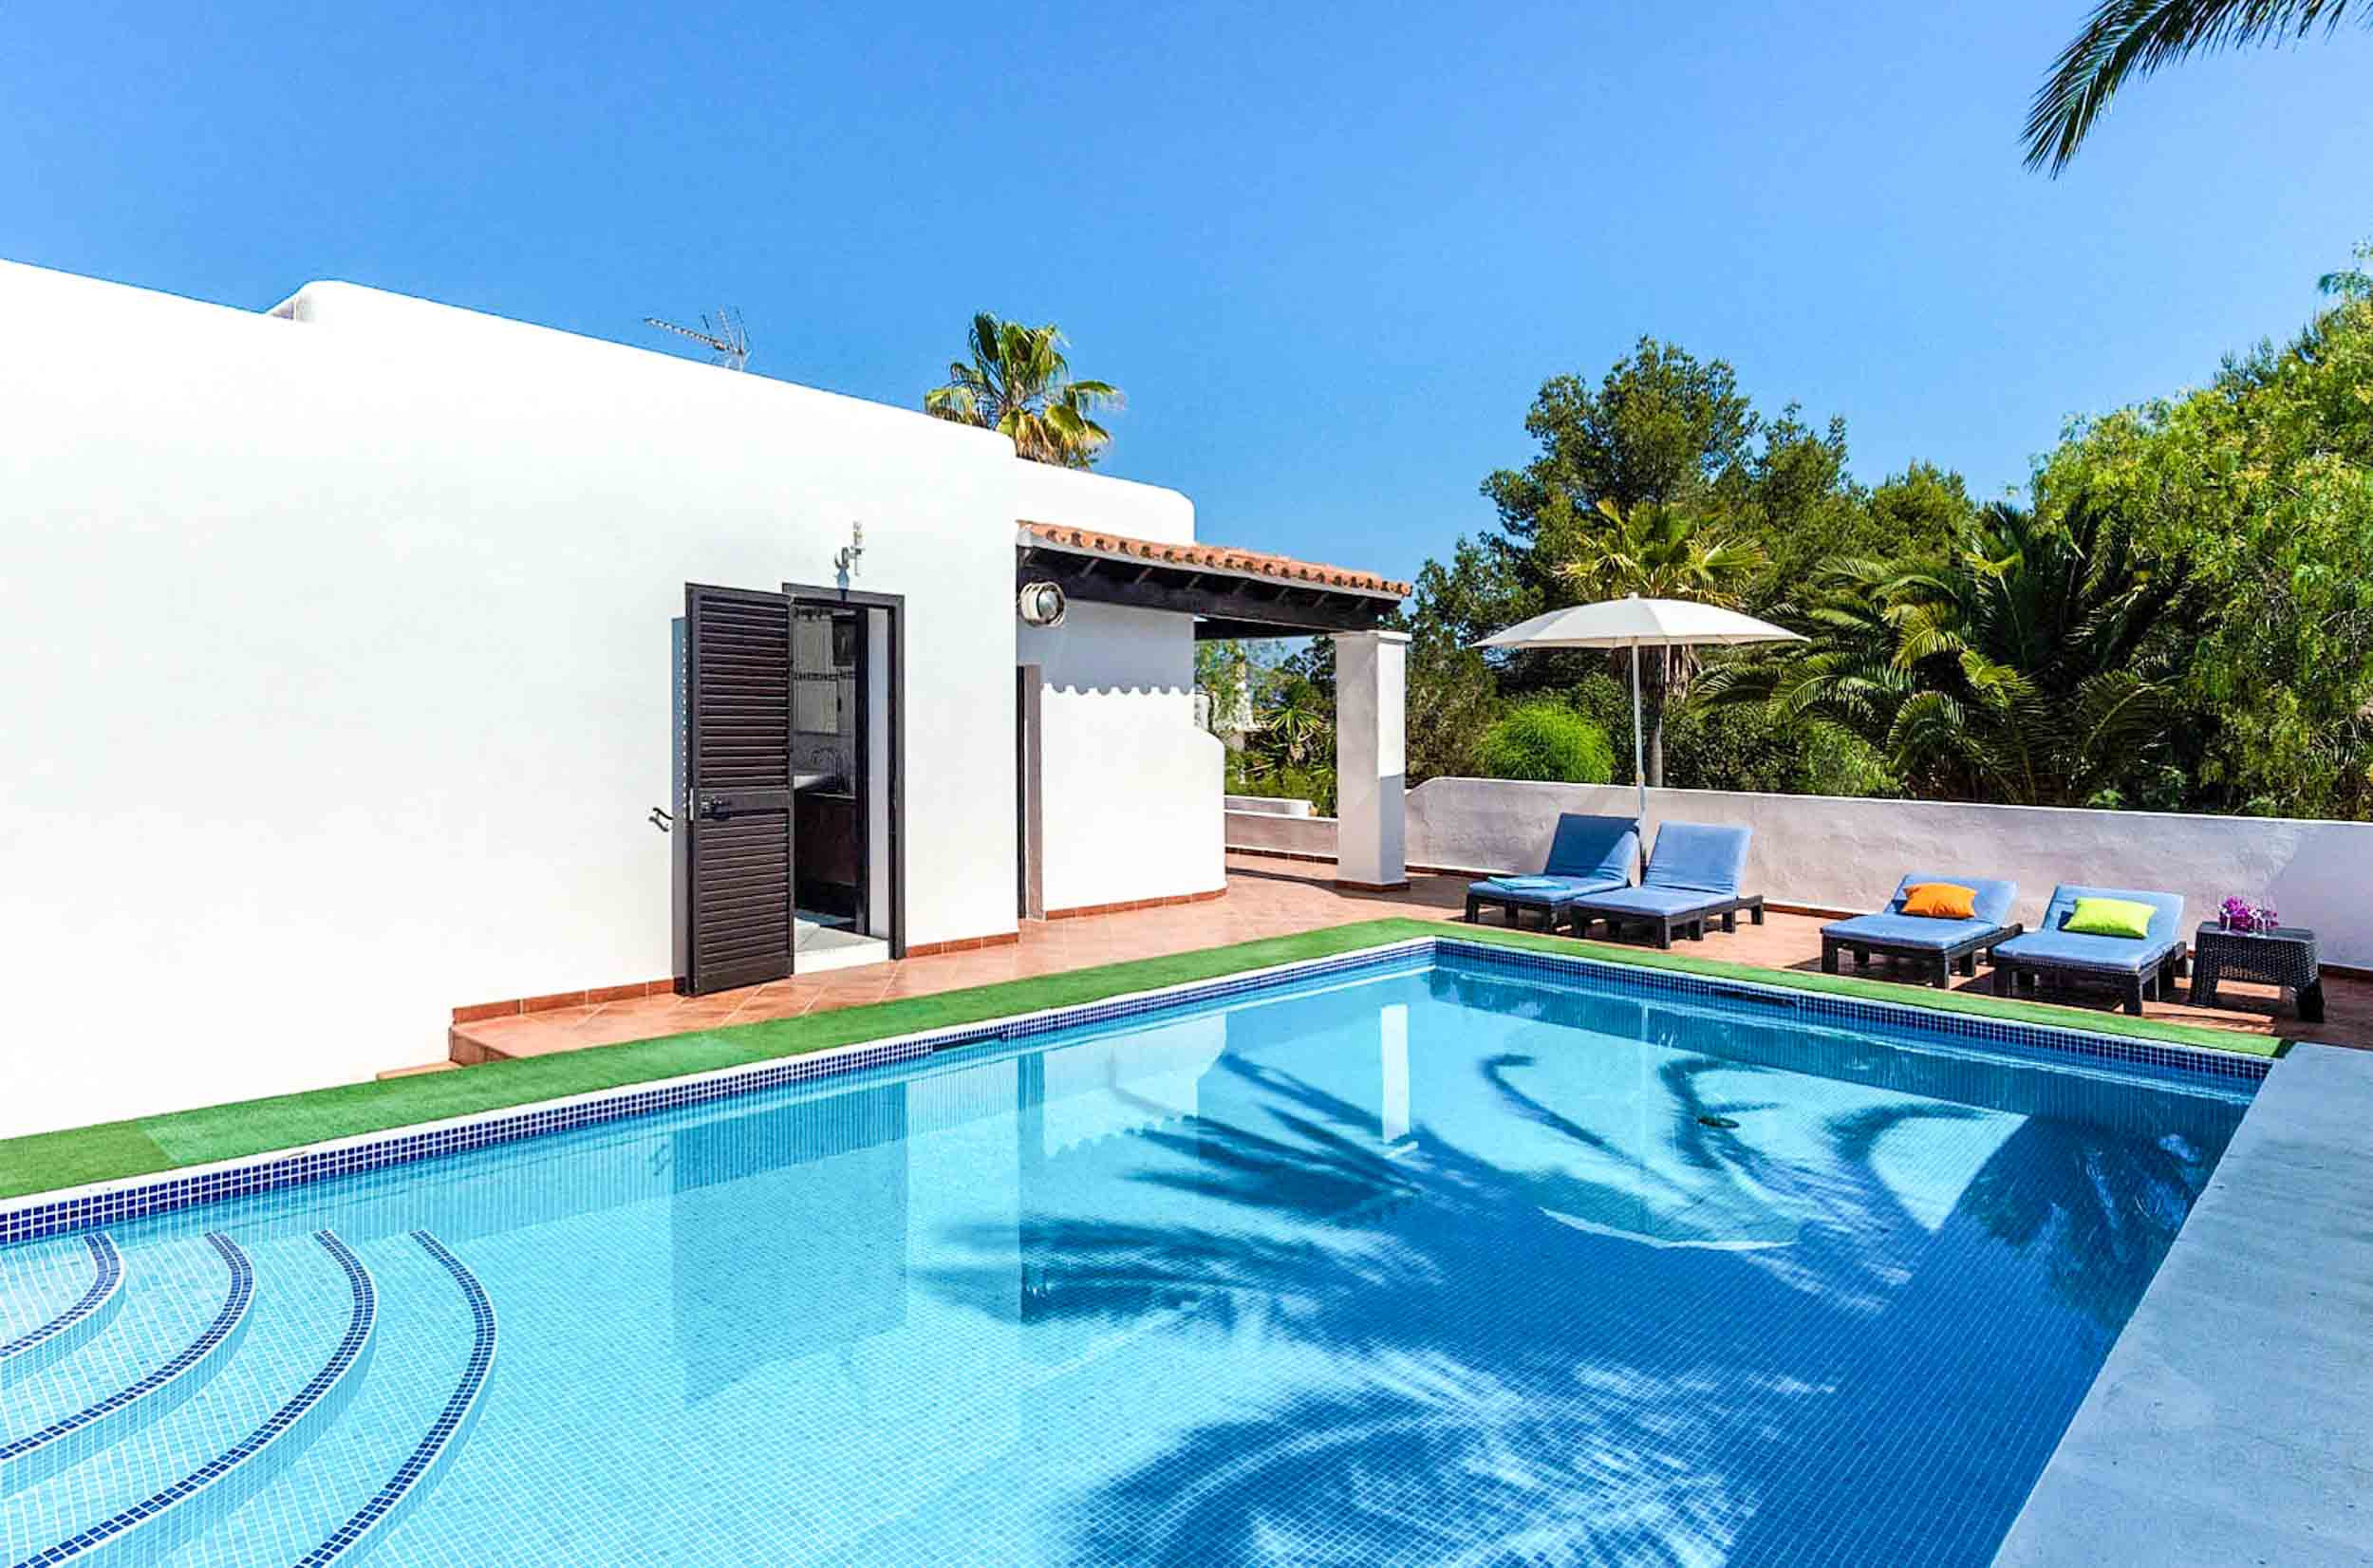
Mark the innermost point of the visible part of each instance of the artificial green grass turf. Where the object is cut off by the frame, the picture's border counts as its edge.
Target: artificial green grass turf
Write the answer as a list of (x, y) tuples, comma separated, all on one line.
[(50, 1159), (76, 1155)]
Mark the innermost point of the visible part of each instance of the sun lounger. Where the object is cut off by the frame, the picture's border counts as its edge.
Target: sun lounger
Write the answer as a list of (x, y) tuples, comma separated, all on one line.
[(1588, 854), (1937, 946), (1692, 876), (2139, 967)]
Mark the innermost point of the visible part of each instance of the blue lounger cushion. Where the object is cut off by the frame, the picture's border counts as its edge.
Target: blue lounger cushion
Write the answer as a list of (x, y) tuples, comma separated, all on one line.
[(1587, 854), (1692, 867), (1692, 857), (1655, 901), (1907, 930), (1896, 929), (2049, 946), (1543, 889)]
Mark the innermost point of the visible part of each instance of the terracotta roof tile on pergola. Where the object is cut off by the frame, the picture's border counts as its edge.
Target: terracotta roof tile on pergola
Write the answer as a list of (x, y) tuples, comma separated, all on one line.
[(1249, 563)]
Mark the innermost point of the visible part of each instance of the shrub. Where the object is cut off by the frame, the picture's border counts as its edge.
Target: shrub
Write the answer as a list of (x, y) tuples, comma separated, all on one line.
[(1258, 776), (1724, 746), (1546, 742)]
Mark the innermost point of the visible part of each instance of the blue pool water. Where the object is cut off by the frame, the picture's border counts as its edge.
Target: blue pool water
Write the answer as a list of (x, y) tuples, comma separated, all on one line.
[(1433, 1265)]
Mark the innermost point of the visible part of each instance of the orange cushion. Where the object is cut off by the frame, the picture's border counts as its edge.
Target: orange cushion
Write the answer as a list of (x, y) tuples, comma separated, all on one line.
[(1940, 901)]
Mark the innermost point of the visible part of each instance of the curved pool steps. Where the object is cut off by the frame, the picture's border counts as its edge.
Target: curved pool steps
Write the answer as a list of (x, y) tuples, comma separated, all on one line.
[(43, 1347), (28, 1459), (421, 1469), (147, 1530)]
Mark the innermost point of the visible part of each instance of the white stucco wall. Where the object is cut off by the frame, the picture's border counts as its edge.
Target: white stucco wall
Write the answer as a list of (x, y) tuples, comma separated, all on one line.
[(1271, 833), (1255, 804), (1130, 783), (1848, 854), (1043, 493), (340, 670)]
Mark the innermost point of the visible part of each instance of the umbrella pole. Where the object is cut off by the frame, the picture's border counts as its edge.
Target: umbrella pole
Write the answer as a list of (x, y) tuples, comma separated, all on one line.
[(1640, 766)]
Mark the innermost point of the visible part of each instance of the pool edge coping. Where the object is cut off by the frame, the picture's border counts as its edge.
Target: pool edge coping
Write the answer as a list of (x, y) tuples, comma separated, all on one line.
[(88, 1206)]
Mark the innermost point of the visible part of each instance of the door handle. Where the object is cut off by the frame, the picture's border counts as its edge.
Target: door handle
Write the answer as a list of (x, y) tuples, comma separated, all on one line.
[(710, 808)]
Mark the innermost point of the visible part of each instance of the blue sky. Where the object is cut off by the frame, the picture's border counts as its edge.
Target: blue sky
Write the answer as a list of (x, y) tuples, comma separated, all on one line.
[(1329, 252)]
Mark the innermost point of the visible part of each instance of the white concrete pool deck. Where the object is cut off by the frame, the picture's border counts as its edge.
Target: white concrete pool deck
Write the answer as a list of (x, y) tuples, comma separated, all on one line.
[(2232, 1423)]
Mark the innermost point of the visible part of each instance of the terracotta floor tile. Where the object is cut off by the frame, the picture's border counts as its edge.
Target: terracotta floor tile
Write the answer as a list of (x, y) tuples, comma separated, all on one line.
[(1265, 898)]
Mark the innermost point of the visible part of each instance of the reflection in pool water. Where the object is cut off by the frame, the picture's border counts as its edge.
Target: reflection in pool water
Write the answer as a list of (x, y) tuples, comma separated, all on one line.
[(1440, 1265)]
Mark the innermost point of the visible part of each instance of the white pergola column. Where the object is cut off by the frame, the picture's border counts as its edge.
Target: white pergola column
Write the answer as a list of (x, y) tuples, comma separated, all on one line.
[(1370, 729)]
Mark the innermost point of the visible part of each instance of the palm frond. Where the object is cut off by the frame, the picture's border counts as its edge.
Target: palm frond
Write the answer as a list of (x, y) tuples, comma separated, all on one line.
[(2126, 40)]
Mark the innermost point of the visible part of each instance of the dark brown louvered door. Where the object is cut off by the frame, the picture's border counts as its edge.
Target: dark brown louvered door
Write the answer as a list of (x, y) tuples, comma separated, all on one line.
[(739, 777)]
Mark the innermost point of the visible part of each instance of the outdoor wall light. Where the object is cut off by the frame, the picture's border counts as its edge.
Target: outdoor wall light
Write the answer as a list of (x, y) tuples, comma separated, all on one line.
[(850, 553), (1041, 604)]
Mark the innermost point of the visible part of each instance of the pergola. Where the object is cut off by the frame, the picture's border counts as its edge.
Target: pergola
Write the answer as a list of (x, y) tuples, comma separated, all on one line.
[(1239, 594)]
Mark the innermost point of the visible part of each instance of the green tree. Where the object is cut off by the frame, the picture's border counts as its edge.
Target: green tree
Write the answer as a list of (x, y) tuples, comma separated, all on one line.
[(2263, 484), (1793, 496), (1659, 429), (1915, 513), (2123, 41), (2351, 283), (1453, 690), (2034, 662), (1018, 382), (1660, 552)]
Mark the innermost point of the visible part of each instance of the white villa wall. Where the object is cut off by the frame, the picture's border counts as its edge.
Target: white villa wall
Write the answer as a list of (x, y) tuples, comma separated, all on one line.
[(1848, 854), (340, 675), (1130, 783), (1043, 493)]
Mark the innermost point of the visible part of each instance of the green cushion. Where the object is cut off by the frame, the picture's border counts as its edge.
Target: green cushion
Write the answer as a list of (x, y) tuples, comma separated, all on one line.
[(2110, 917)]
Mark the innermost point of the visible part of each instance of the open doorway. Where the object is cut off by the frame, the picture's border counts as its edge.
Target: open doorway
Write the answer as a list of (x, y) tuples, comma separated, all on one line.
[(790, 758), (845, 755)]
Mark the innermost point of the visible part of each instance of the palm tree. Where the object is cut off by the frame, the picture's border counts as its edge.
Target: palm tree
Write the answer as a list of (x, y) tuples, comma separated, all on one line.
[(2126, 40), (2033, 664), (1297, 724), (1020, 383), (1660, 552)]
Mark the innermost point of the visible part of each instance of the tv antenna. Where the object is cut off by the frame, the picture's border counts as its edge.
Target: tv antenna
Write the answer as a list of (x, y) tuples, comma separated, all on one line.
[(726, 338)]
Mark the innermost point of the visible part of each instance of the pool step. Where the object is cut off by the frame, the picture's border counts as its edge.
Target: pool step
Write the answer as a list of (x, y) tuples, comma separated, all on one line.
[(412, 1480), (292, 1415), (292, 1341), (45, 1344), (77, 1410), (352, 1487)]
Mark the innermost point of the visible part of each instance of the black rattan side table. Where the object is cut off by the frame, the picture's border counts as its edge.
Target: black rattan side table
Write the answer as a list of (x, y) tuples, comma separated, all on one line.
[(2285, 956)]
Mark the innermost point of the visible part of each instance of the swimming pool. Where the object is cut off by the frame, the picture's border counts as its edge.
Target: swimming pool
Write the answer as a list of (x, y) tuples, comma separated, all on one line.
[(1439, 1256)]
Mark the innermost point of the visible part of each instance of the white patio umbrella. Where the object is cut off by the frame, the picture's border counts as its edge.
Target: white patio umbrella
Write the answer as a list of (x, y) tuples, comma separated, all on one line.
[(1635, 622)]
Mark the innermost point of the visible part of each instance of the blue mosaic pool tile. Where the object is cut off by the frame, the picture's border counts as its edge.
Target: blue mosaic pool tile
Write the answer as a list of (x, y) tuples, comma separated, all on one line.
[(42, 1346), (420, 1467), (902, 1314), (2232, 1064), (71, 1438), (36, 1218), (144, 1530)]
